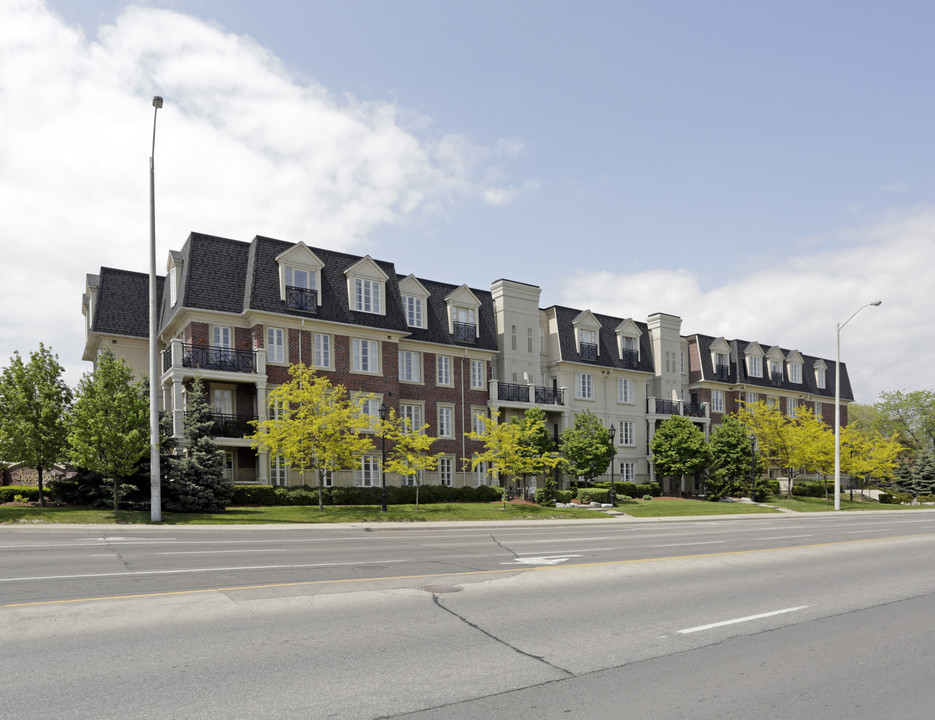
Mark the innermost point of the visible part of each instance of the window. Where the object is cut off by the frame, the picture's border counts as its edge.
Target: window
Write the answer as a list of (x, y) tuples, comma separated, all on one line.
[(229, 465), (625, 435), (367, 295), (365, 357), (445, 470), (412, 306), (529, 340), (721, 366), (820, 378), (322, 350), (628, 472), (277, 470), (477, 421), (541, 340), (222, 401), (299, 291), (371, 408), (275, 345), (368, 472), (795, 373), (480, 474), (583, 386), (298, 278), (756, 365), (327, 477), (682, 360), (173, 285), (717, 401), (443, 369), (221, 336), (477, 374), (513, 336), (413, 415), (772, 403), (752, 398), (818, 409), (791, 406), (445, 421), (624, 390), (410, 366)]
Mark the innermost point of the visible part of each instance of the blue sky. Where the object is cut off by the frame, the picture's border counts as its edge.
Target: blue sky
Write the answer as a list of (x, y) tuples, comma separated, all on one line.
[(760, 169)]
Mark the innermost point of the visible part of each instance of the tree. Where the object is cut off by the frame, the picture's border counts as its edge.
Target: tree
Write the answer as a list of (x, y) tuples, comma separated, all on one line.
[(587, 447), (535, 441), (774, 435), (197, 481), (313, 425), (812, 444), (35, 404), (869, 455), (913, 413), (923, 475), (110, 421), (679, 448), (509, 450), (733, 460), (409, 452)]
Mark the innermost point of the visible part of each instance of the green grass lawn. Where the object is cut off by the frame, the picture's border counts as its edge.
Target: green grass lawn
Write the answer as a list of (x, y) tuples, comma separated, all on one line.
[(810, 504), (669, 507), (301, 514)]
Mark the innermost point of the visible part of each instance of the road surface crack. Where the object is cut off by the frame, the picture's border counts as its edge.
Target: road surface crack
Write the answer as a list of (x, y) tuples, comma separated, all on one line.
[(493, 637), (504, 546)]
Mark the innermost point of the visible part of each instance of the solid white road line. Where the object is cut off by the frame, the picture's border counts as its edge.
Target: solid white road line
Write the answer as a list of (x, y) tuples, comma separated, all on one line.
[(740, 620)]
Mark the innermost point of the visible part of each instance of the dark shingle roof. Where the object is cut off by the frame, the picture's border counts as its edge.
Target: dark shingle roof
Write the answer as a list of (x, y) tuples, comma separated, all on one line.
[(122, 306), (608, 355)]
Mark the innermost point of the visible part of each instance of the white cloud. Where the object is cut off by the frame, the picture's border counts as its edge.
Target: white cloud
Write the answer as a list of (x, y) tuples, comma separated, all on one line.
[(897, 187), (242, 147), (796, 303)]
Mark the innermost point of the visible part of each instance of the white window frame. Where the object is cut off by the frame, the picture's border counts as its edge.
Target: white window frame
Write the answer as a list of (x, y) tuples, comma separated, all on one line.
[(628, 471), (755, 365), (365, 356), (276, 345), (410, 366), (443, 370), (752, 398), (478, 374), (414, 413), (584, 386), (300, 277), (625, 389), (795, 373), (368, 295), (321, 350), (820, 378), (717, 401), (367, 473), (278, 470), (626, 434), (414, 308), (446, 470), (792, 405), (222, 337), (477, 424), (480, 474), (370, 407), (446, 417)]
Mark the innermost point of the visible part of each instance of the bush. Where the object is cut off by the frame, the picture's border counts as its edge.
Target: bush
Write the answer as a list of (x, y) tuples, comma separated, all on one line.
[(594, 494), (465, 494), (254, 495), (647, 497), (563, 496), (302, 495), (489, 493), (885, 499), (9, 493), (653, 489), (544, 498)]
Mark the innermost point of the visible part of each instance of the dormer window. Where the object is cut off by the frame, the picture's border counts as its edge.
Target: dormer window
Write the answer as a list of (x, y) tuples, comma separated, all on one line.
[(300, 278), (174, 267), (415, 298), (366, 287), (463, 308), (820, 375), (794, 362), (628, 343), (587, 328), (755, 366)]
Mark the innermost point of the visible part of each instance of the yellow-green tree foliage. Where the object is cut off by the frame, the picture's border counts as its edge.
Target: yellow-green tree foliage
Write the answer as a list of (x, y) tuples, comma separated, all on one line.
[(408, 454), (869, 455), (507, 449), (313, 425)]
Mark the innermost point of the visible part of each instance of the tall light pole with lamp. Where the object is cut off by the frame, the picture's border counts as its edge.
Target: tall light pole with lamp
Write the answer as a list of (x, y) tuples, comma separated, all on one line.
[(837, 405), (613, 494), (383, 411), (155, 487)]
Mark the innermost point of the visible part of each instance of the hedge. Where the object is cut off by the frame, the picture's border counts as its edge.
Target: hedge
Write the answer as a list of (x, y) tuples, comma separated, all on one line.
[(8, 493), (395, 495), (595, 494)]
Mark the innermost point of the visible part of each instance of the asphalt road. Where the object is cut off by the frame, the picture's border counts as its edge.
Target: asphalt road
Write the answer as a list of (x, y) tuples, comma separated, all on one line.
[(767, 617)]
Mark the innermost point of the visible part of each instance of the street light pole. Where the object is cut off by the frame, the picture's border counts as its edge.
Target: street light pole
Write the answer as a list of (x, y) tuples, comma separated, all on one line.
[(155, 487), (613, 494), (837, 404), (383, 458), (753, 468)]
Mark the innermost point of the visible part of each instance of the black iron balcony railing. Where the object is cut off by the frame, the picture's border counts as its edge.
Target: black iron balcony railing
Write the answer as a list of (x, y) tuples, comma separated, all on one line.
[(464, 332), (693, 409), (513, 392), (776, 378), (302, 299), (549, 396), (722, 372), (588, 351), (232, 426), (630, 358), (206, 357), (667, 407)]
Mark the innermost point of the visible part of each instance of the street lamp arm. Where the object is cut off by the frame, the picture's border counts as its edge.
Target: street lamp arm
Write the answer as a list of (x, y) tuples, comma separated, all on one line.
[(872, 304)]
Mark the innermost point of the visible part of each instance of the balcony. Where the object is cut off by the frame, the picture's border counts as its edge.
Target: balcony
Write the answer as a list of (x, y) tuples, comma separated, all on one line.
[(630, 358), (513, 392), (301, 299), (206, 357), (657, 406), (232, 426), (722, 372), (587, 351), (464, 332), (775, 378)]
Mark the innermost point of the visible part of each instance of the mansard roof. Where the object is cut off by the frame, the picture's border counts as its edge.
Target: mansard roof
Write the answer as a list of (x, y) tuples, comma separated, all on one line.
[(122, 303), (738, 369), (608, 349)]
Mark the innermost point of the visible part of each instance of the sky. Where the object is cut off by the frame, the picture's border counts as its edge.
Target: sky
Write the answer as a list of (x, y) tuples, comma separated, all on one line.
[(760, 169)]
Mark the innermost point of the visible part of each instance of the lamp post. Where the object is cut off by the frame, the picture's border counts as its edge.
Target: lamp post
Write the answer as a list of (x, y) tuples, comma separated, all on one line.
[(837, 404), (155, 487), (753, 468), (383, 458), (613, 494)]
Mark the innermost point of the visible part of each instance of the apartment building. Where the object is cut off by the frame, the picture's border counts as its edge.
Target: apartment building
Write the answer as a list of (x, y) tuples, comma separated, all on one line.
[(237, 314)]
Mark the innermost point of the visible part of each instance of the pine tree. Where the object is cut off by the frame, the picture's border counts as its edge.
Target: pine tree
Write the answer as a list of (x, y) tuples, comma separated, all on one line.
[(197, 481), (923, 475)]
